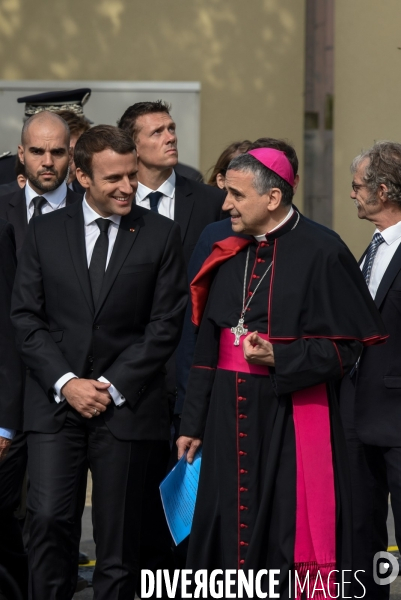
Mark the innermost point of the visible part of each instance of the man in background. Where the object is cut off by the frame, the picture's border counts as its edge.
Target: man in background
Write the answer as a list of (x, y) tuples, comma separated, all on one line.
[(57, 101), (77, 124), (370, 400), (20, 181), (192, 205), (45, 153)]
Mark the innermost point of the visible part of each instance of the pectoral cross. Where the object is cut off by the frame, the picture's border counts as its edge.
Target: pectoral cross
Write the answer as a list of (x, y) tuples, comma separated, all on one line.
[(238, 331)]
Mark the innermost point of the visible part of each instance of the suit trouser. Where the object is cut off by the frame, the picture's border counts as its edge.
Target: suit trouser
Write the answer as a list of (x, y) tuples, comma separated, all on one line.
[(12, 554), (56, 465), (375, 472)]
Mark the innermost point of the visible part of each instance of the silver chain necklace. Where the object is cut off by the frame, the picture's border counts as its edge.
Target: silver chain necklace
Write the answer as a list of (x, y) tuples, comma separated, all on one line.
[(240, 330)]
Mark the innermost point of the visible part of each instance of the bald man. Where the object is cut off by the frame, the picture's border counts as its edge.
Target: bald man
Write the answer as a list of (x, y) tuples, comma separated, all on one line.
[(45, 152), (46, 155)]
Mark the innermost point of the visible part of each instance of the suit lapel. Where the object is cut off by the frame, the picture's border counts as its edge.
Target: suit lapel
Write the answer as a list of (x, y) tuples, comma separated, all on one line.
[(388, 277), (17, 216), (76, 240), (183, 204), (126, 236)]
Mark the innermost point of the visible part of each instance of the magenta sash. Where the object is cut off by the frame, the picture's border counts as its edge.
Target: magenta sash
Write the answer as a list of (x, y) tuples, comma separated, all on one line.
[(315, 540)]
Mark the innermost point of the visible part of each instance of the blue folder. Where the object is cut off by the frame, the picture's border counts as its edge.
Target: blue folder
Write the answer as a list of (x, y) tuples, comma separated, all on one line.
[(178, 492)]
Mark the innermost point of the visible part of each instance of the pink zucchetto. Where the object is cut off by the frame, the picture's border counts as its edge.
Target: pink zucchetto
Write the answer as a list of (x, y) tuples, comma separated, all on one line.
[(276, 161)]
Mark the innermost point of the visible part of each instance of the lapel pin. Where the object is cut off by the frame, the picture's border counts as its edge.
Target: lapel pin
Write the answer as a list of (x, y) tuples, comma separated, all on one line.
[(132, 230)]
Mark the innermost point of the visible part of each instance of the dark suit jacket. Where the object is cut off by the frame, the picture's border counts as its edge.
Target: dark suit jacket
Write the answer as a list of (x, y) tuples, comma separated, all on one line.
[(189, 172), (9, 188), (196, 205), (378, 384), (127, 337), (11, 373), (13, 210), (7, 168)]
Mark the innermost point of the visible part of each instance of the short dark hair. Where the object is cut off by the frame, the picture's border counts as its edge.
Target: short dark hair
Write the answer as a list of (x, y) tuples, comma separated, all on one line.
[(129, 118), (96, 140), (264, 179), (76, 123), (277, 144)]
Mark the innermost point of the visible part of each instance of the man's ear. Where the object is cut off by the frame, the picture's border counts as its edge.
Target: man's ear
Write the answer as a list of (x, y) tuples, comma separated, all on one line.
[(83, 178), (296, 183), (21, 154), (71, 155), (275, 197), (382, 192)]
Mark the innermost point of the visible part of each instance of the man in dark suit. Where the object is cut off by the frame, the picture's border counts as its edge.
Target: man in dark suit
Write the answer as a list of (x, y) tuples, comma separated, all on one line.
[(189, 172), (60, 100), (371, 399), (98, 305), (12, 554), (14, 186), (191, 204), (44, 150)]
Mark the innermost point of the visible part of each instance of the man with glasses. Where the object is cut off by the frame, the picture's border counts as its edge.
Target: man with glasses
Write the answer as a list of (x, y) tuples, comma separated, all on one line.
[(370, 398)]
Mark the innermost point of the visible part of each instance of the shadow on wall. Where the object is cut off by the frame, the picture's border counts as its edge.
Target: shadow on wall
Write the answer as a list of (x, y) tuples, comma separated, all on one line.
[(228, 44)]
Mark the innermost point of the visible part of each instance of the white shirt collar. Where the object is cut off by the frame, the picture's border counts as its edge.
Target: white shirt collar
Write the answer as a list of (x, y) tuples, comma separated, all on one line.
[(167, 189), (91, 215), (54, 198), (391, 234), (262, 238)]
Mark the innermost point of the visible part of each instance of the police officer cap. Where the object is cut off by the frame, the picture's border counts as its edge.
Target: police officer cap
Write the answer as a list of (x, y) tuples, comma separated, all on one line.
[(72, 100)]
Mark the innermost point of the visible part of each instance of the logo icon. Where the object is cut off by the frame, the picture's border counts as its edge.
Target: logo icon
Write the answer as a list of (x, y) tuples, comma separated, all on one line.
[(385, 568)]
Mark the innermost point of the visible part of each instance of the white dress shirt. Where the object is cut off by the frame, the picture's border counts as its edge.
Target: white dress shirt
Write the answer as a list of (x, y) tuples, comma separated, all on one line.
[(166, 203), (92, 232), (55, 199), (384, 254)]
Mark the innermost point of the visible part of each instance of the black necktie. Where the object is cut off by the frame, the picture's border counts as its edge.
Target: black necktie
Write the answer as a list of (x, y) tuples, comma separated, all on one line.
[(154, 198), (97, 265), (38, 202)]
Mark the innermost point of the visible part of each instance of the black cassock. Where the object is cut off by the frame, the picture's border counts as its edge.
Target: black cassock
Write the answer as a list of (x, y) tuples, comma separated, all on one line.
[(245, 509)]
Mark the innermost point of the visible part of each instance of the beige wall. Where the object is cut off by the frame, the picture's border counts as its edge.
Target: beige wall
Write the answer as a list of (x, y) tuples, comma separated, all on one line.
[(367, 97), (248, 56)]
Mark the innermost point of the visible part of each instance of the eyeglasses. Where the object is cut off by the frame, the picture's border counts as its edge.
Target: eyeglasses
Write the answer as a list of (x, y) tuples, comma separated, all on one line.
[(357, 186)]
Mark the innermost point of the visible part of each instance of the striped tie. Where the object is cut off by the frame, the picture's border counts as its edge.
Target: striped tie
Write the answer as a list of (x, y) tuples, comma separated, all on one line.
[(370, 256)]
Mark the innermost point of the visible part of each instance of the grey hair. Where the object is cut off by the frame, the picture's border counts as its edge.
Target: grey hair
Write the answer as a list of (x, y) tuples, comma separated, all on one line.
[(264, 178), (44, 115), (383, 168)]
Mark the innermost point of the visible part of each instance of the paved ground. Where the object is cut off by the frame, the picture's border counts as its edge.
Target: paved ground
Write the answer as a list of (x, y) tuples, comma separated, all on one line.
[(88, 546)]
